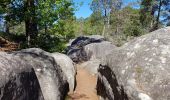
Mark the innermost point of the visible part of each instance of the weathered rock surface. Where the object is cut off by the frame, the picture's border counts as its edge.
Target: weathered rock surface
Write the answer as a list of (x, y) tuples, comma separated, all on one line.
[(18, 80), (89, 50), (139, 70), (98, 50), (76, 50), (95, 52), (50, 76), (67, 67)]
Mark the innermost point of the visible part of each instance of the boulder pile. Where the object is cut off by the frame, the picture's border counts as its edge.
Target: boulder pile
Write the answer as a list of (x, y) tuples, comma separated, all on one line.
[(138, 70), (33, 74), (89, 51), (75, 49)]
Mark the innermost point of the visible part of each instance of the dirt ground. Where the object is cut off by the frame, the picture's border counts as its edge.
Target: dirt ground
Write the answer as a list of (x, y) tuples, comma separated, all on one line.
[(7, 46), (86, 86)]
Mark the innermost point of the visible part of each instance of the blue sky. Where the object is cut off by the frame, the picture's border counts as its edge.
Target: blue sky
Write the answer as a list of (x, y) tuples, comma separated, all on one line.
[(84, 11)]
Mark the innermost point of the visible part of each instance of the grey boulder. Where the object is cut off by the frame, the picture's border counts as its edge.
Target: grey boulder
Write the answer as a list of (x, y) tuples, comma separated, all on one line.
[(51, 78), (98, 50), (67, 66), (95, 52), (139, 70), (76, 48), (18, 80)]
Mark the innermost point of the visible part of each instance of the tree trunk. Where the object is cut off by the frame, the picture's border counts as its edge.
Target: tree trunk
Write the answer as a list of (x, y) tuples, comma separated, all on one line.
[(105, 20), (159, 11), (30, 22), (108, 24), (104, 27), (45, 28), (6, 27)]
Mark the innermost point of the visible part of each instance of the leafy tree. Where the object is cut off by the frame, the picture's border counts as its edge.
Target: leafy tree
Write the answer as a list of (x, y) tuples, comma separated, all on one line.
[(48, 15), (56, 19)]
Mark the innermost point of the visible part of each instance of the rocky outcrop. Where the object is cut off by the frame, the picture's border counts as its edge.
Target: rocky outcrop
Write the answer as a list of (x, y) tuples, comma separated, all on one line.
[(139, 70), (95, 52), (89, 51), (67, 67), (76, 48), (29, 65)]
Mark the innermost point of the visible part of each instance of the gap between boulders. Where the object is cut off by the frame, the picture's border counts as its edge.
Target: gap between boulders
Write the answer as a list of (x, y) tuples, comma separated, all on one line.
[(86, 86)]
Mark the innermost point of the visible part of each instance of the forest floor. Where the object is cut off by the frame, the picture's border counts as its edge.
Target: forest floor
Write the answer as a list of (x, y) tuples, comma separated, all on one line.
[(7, 46), (86, 86)]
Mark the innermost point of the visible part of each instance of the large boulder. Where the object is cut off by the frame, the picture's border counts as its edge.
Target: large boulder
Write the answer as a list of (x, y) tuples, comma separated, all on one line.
[(67, 67), (98, 50), (139, 70), (95, 52), (76, 48), (51, 78), (18, 80)]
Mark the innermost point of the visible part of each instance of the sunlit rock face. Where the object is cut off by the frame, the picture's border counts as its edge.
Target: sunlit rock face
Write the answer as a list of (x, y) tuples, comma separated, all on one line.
[(139, 70), (67, 67), (33, 70), (95, 53)]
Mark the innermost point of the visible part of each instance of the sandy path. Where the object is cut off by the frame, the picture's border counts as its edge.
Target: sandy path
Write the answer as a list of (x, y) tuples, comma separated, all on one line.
[(86, 84)]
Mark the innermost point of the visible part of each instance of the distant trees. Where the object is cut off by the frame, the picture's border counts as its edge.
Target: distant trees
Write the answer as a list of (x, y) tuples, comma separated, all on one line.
[(106, 7)]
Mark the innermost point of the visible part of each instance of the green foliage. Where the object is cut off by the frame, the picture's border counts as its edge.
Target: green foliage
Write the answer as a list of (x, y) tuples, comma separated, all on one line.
[(50, 43), (52, 18), (89, 26), (133, 26), (56, 19), (124, 25)]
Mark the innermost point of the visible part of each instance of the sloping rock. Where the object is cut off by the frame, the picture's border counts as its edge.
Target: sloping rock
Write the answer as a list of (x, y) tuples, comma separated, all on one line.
[(98, 50), (51, 78), (18, 80), (139, 70), (67, 67), (76, 50)]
